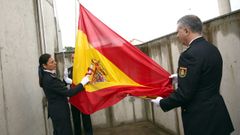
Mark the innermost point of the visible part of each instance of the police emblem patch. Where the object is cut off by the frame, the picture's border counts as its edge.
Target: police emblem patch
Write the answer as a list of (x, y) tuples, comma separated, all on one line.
[(182, 72)]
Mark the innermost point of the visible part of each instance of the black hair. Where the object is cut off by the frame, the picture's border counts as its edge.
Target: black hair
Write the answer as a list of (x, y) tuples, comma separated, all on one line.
[(43, 59)]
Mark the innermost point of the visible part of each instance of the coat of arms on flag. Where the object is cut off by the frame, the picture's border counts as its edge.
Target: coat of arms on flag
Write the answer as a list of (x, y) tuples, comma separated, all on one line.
[(116, 67), (97, 72)]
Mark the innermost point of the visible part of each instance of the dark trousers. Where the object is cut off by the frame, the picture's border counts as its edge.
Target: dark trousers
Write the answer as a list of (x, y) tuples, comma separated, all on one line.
[(61, 123), (86, 119)]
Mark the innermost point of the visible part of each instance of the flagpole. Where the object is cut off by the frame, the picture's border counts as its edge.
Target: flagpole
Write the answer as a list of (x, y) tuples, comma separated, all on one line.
[(76, 17)]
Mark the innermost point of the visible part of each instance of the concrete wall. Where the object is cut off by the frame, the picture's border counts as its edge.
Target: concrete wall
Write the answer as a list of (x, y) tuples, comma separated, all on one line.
[(224, 32), (129, 110), (26, 31), (21, 108)]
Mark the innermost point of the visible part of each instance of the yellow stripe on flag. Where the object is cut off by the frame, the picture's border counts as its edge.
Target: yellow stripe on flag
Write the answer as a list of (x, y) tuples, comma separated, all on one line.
[(106, 73)]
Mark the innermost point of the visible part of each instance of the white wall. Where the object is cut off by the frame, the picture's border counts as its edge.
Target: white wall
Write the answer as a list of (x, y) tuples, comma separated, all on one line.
[(21, 108), (227, 36)]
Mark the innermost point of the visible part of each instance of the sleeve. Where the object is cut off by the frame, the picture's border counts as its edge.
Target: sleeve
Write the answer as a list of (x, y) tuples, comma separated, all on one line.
[(59, 87), (188, 77)]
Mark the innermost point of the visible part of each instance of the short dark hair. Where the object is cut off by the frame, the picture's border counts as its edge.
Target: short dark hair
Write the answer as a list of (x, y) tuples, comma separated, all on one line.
[(192, 22), (43, 59)]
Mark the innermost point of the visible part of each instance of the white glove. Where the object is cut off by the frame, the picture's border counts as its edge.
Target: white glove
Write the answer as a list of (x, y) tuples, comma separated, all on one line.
[(66, 78), (156, 101), (65, 73), (85, 80), (174, 78)]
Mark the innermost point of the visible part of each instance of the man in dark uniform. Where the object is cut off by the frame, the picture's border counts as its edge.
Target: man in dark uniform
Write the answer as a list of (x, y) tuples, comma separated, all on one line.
[(86, 119), (199, 76)]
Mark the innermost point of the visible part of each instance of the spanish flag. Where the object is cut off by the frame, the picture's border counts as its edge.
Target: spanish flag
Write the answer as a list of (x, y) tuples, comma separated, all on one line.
[(116, 67)]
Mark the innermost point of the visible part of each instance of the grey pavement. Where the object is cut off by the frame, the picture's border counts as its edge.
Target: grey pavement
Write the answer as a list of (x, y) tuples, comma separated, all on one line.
[(139, 128)]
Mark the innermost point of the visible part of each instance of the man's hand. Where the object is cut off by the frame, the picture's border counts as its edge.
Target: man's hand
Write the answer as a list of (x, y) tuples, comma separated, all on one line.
[(85, 80), (174, 78), (157, 101)]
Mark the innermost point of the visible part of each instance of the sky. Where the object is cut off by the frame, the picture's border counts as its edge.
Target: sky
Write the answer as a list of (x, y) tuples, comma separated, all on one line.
[(143, 20)]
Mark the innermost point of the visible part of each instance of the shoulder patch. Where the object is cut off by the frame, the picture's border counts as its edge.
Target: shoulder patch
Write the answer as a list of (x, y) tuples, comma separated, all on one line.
[(182, 72)]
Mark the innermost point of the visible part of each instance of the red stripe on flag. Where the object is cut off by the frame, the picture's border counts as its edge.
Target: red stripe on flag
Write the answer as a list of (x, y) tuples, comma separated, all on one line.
[(89, 102), (125, 56)]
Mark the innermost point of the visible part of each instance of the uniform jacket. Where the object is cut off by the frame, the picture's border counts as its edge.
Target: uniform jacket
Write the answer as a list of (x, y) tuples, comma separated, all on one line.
[(57, 93), (199, 76), (70, 71)]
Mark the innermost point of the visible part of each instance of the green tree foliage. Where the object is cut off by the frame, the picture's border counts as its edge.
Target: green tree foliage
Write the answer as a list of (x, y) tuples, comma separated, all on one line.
[(69, 49)]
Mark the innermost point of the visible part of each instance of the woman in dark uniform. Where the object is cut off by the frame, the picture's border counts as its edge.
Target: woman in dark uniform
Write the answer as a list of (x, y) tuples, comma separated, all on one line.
[(57, 93)]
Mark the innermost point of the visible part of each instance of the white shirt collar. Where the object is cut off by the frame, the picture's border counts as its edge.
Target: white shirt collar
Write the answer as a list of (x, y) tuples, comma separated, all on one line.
[(194, 39), (50, 71)]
